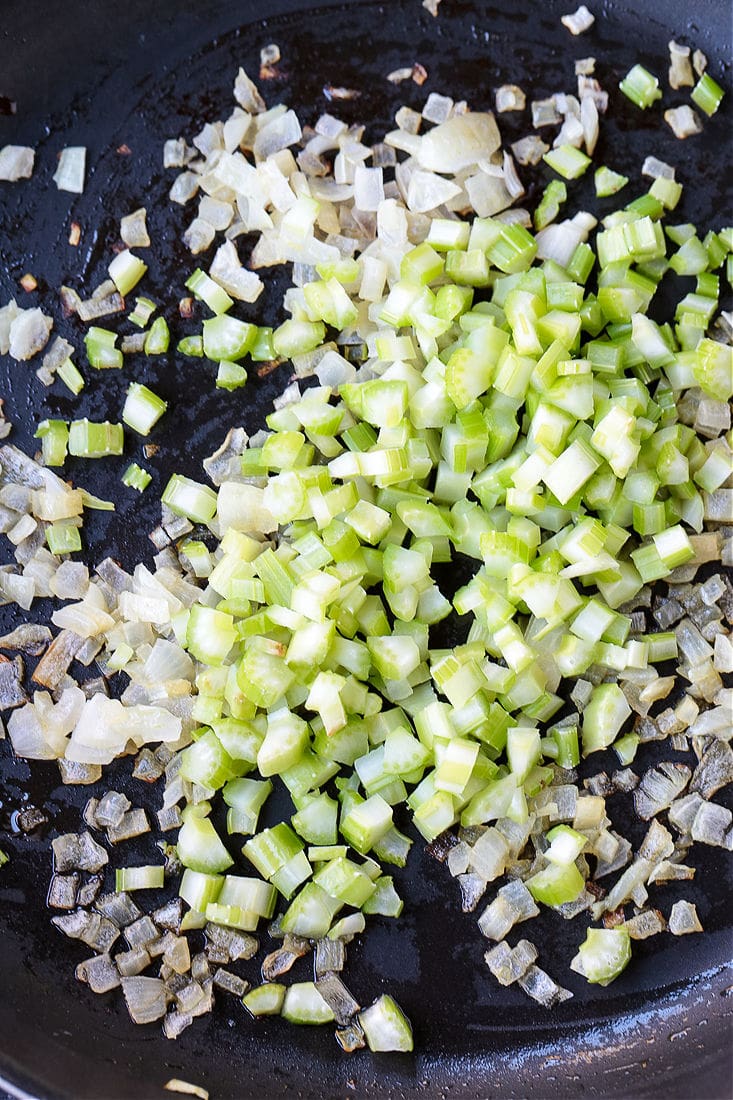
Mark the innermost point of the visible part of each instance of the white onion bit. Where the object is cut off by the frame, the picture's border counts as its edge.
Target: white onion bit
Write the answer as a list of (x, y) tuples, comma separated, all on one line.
[(578, 21), (16, 162), (683, 121), (69, 176)]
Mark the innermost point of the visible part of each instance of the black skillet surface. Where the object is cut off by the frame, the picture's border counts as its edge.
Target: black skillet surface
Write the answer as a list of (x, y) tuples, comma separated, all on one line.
[(105, 75)]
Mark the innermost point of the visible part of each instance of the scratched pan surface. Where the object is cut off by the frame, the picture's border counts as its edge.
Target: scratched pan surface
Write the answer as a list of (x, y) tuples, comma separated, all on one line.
[(104, 75)]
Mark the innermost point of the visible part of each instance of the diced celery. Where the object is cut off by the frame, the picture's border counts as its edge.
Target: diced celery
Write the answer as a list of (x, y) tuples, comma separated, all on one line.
[(557, 884), (603, 955), (385, 1026), (303, 1004), (567, 161), (707, 94), (265, 1000), (641, 87), (143, 408), (135, 477), (200, 848)]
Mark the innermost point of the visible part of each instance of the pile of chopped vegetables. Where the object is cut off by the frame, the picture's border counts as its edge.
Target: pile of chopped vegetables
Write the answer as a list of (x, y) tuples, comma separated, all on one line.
[(486, 388)]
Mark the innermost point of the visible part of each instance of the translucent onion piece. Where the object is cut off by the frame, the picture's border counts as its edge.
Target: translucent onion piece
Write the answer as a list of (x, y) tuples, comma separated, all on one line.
[(31, 638), (69, 176), (341, 1002), (228, 272), (711, 825), (488, 194), (459, 143), (684, 919), (530, 150), (579, 21), (99, 973), (680, 69), (683, 121), (175, 1084), (509, 97), (428, 191), (29, 333), (145, 998), (133, 229), (541, 988), (105, 727), (16, 162), (438, 108)]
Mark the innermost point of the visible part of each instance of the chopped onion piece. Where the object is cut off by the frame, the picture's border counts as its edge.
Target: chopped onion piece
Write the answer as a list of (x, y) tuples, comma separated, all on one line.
[(684, 919), (69, 176), (545, 113), (680, 69), (459, 143), (538, 985), (228, 272), (683, 121), (247, 95), (438, 108), (645, 924), (657, 169), (29, 333), (659, 787), (711, 825), (509, 97), (16, 162), (699, 62), (397, 76), (579, 21), (530, 150), (133, 229), (145, 999)]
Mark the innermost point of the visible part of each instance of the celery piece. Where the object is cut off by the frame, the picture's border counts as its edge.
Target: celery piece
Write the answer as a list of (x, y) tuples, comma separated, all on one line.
[(567, 161), (603, 717), (385, 1026), (54, 436), (707, 94), (226, 338), (190, 499), (557, 884), (198, 888), (641, 87), (158, 337), (604, 953), (200, 848), (100, 348), (554, 195), (607, 182), (367, 823), (191, 345), (143, 311), (143, 408), (71, 377), (203, 287), (230, 376), (95, 440), (126, 271), (63, 538), (139, 878), (303, 1004), (265, 1000), (135, 477)]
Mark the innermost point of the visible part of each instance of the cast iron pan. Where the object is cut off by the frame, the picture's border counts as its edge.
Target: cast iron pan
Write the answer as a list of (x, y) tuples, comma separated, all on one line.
[(103, 75)]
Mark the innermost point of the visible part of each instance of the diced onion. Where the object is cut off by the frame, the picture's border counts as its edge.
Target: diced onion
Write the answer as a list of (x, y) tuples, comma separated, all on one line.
[(69, 176), (16, 162)]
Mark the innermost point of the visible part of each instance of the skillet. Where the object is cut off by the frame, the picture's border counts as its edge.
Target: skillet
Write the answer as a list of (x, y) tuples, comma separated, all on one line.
[(91, 73)]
